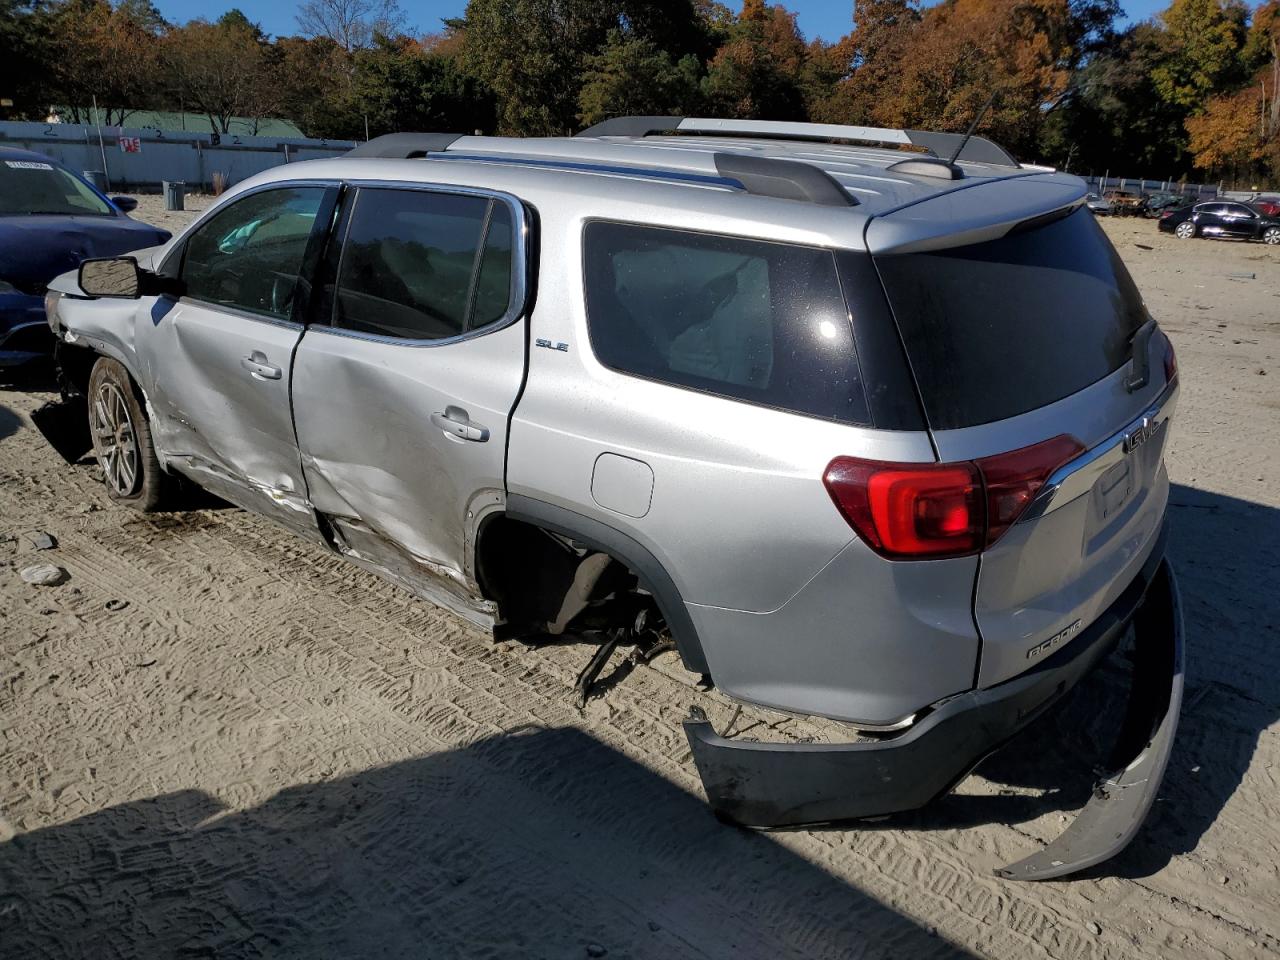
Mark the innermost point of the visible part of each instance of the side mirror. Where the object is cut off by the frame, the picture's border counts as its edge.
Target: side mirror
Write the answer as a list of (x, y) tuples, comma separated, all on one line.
[(125, 204), (111, 277)]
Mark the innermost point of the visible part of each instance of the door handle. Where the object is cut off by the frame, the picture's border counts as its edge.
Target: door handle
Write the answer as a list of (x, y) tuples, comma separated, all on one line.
[(457, 423), (256, 364)]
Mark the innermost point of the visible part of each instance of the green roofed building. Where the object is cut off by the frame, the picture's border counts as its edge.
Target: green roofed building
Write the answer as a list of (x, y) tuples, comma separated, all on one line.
[(188, 121)]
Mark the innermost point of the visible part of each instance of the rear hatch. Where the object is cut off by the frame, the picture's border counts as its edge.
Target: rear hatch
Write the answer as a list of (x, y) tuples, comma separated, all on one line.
[(1029, 341)]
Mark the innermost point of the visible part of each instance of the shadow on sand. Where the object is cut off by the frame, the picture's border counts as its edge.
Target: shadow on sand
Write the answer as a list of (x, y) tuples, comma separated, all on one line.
[(541, 842), (537, 843)]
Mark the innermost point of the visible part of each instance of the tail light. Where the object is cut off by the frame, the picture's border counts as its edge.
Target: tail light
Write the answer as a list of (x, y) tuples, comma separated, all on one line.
[(1166, 213), (934, 510), (1170, 361)]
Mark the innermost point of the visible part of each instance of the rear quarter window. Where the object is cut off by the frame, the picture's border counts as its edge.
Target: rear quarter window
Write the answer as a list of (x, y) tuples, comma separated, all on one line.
[(996, 329), (751, 320)]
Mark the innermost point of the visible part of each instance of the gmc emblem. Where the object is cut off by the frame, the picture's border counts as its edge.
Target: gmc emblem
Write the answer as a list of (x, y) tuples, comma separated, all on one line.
[(1140, 434)]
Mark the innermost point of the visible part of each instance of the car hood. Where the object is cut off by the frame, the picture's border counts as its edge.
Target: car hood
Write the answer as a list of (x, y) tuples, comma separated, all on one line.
[(34, 250)]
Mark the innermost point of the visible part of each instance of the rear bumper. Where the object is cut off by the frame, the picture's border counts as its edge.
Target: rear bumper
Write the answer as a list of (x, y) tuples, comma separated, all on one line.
[(786, 784)]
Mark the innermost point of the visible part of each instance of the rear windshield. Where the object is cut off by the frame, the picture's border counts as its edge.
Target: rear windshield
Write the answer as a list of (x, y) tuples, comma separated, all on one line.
[(998, 328), (752, 320)]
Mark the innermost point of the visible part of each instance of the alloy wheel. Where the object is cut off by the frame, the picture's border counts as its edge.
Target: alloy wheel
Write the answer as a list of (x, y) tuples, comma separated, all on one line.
[(116, 439), (1272, 236), (1185, 231)]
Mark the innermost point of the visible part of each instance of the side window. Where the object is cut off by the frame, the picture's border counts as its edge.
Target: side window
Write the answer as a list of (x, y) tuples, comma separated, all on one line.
[(249, 254), (748, 319), (421, 265)]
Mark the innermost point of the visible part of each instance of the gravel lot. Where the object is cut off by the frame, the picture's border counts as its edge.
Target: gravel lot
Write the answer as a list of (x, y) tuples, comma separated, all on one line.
[(217, 740)]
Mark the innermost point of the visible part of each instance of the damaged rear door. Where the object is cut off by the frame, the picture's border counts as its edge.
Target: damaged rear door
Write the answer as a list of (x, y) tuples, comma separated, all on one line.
[(219, 360), (405, 380)]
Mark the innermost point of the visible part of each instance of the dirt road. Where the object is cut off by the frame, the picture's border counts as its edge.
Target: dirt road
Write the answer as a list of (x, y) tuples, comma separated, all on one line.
[(216, 740)]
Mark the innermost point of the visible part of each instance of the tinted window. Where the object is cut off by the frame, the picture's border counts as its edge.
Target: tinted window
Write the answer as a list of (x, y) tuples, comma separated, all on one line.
[(410, 265), (756, 321), (248, 255), (37, 187), (995, 329)]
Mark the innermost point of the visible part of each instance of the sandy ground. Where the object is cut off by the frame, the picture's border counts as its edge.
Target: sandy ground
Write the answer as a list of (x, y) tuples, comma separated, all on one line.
[(216, 740)]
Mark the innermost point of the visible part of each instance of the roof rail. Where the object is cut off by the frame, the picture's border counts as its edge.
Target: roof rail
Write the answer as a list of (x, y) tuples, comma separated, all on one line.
[(977, 150), (404, 146), (785, 179), (762, 176)]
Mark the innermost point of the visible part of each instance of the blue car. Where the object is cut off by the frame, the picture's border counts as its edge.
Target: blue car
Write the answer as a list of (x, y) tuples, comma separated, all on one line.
[(50, 220)]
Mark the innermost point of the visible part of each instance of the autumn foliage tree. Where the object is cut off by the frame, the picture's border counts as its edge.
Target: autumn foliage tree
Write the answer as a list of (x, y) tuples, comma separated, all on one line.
[(103, 53), (1194, 88)]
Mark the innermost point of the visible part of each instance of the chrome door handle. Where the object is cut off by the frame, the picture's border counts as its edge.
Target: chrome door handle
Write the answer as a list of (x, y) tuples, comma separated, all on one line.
[(256, 364), (455, 422)]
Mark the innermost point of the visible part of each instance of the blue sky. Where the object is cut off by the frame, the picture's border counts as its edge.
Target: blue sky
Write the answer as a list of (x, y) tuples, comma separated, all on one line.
[(829, 19)]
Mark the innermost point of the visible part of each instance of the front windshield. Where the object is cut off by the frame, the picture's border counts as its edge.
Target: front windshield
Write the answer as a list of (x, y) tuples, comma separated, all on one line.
[(32, 187)]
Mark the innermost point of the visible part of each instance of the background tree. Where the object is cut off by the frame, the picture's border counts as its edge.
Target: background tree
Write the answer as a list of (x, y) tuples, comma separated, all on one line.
[(25, 37), (632, 75), (351, 24), (101, 53), (400, 85), (222, 70), (1202, 40), (1227, 136), (1113, 114), (758, 71)]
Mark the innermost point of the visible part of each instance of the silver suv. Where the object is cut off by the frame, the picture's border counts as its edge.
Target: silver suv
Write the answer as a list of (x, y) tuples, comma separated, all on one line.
[(869, 434)]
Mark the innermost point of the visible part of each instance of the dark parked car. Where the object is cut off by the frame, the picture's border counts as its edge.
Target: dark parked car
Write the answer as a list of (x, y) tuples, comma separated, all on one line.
[(50, 220), (1221, 218), (1155, 204)]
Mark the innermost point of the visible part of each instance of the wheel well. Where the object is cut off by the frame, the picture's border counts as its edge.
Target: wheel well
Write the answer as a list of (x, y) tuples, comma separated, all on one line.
[(75, 364), (539, 563), (530, 572)]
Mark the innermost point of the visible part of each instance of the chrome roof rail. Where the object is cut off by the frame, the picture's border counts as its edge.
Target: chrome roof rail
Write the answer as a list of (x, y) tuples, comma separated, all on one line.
[(977, 150)]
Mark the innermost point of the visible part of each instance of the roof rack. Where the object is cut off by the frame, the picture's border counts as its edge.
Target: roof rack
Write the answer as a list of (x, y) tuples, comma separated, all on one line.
[(976, 150), (404, 146), (761, 176)]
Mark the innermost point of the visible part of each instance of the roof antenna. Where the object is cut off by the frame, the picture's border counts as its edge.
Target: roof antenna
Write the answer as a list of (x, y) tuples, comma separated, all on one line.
[(972, 127), (936, 167)]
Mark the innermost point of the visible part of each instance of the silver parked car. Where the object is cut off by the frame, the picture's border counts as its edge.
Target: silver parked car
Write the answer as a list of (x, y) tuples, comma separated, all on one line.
[(1098, 204), (868, 434)]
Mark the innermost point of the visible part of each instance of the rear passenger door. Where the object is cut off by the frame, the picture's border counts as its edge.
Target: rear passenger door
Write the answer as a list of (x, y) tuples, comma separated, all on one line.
[(1239, 221), (407, 375)]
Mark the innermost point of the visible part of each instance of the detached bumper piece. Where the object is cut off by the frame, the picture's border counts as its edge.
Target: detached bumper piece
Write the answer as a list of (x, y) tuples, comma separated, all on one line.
[(761, 784)]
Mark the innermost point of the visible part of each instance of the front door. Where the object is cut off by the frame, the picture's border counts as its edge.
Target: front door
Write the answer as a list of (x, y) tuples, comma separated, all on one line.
[(405, 380), (217, 362)]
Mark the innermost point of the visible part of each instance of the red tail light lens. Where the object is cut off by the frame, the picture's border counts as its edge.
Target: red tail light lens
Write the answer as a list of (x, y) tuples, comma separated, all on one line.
[(909, 509), (932, 510), (1170, 361), (1013, 479)]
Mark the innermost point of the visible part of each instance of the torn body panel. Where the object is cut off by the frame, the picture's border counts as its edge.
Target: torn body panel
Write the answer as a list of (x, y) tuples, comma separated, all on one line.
[(771, 784), (432, 582)]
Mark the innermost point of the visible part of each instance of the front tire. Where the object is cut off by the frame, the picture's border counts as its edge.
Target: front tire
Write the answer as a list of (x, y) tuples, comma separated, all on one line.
[(1271, 235), (122, 439), (1185, 230)]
